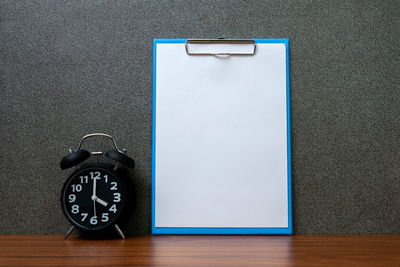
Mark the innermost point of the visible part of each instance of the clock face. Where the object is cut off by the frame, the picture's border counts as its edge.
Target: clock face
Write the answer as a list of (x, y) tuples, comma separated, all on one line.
[(93, 198)]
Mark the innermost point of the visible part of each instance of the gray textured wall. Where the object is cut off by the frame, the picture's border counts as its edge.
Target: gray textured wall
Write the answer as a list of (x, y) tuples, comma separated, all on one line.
[(68, 68)]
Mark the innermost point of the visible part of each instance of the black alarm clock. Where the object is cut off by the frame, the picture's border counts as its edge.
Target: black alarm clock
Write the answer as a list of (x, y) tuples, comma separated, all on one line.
[(97, 197)]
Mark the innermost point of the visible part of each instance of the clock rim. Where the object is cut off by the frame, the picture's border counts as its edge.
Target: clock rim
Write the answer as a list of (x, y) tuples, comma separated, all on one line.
[(120, 214)]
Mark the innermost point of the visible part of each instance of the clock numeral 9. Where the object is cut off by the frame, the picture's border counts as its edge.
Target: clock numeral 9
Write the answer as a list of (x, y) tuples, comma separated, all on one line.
[(76, 188), (71, 198), (117, 197), (75, 209), (114, 186), (104, 217), (93, 220)]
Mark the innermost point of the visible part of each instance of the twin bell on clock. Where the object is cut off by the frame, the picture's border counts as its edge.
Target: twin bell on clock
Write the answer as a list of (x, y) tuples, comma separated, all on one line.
[(97, 198)]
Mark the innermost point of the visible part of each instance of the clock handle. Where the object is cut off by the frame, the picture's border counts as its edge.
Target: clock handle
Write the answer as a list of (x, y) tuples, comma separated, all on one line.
[(103, 135)]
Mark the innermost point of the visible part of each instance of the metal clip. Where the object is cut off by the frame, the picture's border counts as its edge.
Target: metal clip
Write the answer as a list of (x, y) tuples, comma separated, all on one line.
[(219, 41)]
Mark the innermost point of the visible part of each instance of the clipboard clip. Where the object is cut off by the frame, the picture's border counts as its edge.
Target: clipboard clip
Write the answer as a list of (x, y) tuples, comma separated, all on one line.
[(220, 41)]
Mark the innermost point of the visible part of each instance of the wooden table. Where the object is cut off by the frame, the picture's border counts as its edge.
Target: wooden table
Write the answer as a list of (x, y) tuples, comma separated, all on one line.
[(298, 250)]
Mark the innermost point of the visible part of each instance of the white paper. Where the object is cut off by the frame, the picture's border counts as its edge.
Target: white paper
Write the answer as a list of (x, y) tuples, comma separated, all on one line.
[(221, 139)]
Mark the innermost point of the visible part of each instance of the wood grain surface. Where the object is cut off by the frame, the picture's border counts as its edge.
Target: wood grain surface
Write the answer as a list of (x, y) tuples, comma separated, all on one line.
[(53, 250)]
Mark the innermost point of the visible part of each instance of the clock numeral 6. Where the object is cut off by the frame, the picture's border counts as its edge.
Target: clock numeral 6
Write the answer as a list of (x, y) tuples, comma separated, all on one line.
[(71, 198), (75, 209), (104, 217), (76, 188), (93, 220), (117, 197), (113, 208)]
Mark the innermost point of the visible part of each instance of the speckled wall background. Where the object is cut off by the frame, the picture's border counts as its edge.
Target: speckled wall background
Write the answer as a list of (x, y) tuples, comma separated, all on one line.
[(68, 68)]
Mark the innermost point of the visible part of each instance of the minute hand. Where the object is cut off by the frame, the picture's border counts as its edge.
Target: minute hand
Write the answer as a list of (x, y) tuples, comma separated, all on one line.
[(94, 187)]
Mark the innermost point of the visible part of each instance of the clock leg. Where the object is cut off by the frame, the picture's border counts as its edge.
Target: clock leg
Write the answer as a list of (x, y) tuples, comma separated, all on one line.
[(116, 227), (70, 230)]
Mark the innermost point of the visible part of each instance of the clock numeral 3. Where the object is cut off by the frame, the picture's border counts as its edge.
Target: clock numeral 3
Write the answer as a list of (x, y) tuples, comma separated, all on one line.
[(117, 197)]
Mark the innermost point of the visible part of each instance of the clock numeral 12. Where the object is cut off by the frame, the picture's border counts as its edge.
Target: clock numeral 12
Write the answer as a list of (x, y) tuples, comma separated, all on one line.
[(95, 175)]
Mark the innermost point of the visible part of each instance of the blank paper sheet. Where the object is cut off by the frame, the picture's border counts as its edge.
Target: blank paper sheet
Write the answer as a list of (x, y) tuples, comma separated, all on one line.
[(221, 138)]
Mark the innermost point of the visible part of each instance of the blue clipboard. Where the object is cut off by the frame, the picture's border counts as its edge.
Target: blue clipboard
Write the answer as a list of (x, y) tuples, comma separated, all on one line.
[(220, 230)]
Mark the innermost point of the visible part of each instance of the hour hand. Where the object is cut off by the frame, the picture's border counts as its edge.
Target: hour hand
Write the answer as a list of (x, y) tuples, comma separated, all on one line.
[(102, 202)]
